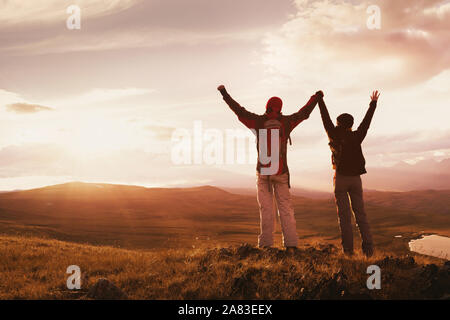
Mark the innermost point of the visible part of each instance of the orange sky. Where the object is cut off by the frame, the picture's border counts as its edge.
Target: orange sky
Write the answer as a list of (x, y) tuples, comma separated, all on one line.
[(101, 103)]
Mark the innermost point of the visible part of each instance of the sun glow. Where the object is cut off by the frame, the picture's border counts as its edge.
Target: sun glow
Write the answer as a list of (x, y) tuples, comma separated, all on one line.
[(96, 138)]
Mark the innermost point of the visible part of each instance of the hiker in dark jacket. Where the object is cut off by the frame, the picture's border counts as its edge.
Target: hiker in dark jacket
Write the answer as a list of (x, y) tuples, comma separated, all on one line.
[(349, 164), (273, 176)]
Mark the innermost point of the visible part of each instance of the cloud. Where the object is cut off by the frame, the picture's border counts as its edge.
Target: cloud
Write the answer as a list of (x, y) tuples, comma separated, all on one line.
[(10, 101), (408, 142), (32, 160), (154, 37), (99, 95), (120, 166), (308, 138), (411, 146), (327, 44), (135, 24), (440, 82), (107, 94), (25, 108), (161, 132), (48, 11), (7, 97)]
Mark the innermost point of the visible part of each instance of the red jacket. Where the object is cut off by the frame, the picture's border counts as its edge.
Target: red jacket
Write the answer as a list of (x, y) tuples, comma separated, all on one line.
[(256, 122)]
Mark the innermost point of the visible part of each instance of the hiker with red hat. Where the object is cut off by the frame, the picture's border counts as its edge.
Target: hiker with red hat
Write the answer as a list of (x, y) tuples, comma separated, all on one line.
[(273, 173)]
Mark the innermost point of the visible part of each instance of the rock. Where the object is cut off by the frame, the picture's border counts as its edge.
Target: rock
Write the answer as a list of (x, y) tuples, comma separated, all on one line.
[(327, 249), (437, 281), (402, 263), (212, 256), (447, 265), (224, 253), (244, 286), (245, 250), (273, 254), (104, 289), (333, 288), (409, 261), (429, 270)]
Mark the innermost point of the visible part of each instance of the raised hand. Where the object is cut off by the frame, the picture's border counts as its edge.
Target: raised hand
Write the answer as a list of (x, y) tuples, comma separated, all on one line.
[(375, 95), (319, 94), (221, 87)]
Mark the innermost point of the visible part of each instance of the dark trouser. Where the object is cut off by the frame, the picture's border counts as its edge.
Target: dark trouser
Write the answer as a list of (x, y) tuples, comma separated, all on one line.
[(345, 186)]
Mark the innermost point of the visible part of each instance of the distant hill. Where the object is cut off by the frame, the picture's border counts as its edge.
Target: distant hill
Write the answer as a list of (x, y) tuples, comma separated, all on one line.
[(425, 201), (299, 192), (138, 217), (427, 174)]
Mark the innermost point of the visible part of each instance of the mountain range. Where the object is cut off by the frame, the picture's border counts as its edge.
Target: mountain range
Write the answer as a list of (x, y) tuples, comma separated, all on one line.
[(138, 217)]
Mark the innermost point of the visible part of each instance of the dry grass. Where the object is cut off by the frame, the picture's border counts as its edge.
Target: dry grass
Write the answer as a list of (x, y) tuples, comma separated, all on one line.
[(32, 268)]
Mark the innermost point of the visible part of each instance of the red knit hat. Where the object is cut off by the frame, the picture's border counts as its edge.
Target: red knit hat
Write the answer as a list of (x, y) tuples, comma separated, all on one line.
[(274, 103)]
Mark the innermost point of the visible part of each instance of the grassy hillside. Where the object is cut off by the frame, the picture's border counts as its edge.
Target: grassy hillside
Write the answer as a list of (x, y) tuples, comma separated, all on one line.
[(136, 217), (32, 268)]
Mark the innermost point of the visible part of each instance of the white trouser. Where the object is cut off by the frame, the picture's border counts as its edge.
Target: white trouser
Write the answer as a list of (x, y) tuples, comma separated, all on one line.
[(268, 186)]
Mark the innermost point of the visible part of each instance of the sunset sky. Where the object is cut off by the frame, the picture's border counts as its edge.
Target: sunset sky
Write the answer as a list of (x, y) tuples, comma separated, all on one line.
[(100, 104)]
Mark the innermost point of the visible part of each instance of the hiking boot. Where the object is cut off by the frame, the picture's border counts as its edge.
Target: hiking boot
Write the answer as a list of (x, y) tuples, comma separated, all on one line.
[(348, 253), (368, 252)]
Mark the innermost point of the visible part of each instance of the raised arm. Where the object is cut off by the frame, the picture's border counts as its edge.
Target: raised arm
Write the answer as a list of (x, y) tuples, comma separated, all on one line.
[(364, 126), (303, 113), (246, 117), (326, 119)]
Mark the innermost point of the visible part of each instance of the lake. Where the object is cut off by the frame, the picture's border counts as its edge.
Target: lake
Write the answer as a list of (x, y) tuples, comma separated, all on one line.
[(434, 245)]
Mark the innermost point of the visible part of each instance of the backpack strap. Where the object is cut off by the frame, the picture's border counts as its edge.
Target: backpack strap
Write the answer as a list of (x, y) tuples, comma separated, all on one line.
[(286, 124)]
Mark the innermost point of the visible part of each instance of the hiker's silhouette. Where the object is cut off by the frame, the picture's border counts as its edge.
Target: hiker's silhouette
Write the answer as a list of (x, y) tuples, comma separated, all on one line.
[(277, 184), (349, 164)]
